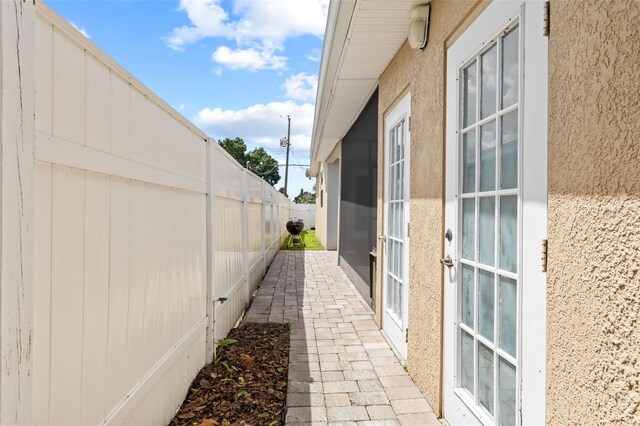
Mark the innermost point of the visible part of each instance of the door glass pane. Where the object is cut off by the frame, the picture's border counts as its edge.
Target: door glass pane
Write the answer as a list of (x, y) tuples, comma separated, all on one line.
[(393, 208), (485, 377), (486, 230), (391, 218), (396, 254), (509, 233), (392, 294), (466, 362), (398, 143), (467, 295), (468, 228), (469, 76), (392, 185), (399, 302), (401, 261), (488, 157), (489, 75), (390, 264), (400, 220), (508, 308), (392, 146), (509, 151), (510, 68), (402, 194), (469, 162), (398, 183), (401, 138), (486, 299), (393, 254), (393, 214), (507, 393)]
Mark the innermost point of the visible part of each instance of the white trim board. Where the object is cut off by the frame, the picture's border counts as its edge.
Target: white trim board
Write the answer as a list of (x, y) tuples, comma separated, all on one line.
[(59, 151)]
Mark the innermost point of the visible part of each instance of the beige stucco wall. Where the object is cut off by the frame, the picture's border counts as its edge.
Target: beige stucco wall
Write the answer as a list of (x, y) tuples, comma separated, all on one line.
[(422, 72), (593, 306), (329, 185)]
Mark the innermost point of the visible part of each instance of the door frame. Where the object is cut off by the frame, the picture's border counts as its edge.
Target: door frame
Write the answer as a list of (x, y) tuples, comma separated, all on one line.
[(532, 207), (400, 110)]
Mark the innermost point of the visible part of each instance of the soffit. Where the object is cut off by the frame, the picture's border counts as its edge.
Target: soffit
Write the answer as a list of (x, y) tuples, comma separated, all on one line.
[(376, 30)]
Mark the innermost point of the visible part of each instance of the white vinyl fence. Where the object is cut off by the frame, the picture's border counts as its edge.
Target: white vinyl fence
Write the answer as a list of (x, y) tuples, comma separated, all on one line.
[(306, 212), (248, 219), (141, 224)]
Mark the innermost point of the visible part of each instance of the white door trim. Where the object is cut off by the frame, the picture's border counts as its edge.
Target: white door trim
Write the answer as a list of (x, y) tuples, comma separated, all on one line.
[(395, 328), (532, 208)]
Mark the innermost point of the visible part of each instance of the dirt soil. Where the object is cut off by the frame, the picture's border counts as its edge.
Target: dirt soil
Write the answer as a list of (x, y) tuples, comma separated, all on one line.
[(247, 383)]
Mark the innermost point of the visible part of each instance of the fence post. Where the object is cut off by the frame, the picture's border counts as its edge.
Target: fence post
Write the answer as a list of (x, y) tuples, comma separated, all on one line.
[(211, 310), (17, 170), (245, 236), (263, 229)]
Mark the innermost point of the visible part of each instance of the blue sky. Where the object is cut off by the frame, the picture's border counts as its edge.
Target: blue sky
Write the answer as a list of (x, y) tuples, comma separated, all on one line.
[(234, 68)]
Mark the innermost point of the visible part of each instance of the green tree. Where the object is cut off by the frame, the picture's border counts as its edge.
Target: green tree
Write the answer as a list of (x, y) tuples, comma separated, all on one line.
[(259, 161), (236, 147), (305, 197), (264, 165)]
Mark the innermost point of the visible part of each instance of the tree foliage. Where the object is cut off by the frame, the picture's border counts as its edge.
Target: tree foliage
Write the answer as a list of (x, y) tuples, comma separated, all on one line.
[(236, 147), (305, 197), (259, 161), (264, 165)]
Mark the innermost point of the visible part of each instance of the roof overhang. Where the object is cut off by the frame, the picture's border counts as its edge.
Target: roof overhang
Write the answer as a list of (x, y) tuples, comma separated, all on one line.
[(361, 38)]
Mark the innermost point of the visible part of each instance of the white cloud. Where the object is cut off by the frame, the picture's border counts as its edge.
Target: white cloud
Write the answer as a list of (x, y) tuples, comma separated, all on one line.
[(302, 87), (82, 30), (314, 55), (251, 59), (262, 124), (260, 29), (278, 20), (208, 19)]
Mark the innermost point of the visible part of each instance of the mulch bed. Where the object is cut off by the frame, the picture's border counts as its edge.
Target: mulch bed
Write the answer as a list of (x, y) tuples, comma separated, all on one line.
[(247, 383)]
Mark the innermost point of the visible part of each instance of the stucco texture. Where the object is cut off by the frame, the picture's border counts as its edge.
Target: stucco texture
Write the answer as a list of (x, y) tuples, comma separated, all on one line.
[(422, 72), (593, 303)]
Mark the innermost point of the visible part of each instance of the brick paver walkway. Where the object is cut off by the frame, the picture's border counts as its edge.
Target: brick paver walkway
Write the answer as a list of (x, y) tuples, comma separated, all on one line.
[(341, 370)]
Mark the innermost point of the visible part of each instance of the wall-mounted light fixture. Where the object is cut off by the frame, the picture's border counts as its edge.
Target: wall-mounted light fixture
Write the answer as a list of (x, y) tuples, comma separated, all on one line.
[(419, 26)]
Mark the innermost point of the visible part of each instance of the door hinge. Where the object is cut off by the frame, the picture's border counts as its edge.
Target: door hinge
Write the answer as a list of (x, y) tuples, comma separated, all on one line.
[(546, 20), (406, 335), (409, 123), (543, 258), (408, 229)]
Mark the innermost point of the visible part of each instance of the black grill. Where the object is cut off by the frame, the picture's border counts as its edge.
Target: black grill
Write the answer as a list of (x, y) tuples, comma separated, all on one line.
[(295, 226)]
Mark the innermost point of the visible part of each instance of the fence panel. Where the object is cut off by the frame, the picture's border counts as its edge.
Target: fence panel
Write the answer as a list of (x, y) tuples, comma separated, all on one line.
[(120, 288), (230, 259), (246, 235), (306, 212), (139, 229)]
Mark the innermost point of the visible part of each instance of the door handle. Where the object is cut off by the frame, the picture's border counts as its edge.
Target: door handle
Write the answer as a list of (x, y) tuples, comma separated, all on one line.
[(447, 261)]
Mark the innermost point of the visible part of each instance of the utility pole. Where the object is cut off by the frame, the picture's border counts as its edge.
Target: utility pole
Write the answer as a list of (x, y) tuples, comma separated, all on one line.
[(286, 169)]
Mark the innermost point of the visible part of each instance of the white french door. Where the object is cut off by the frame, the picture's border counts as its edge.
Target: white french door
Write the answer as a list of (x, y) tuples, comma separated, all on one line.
[(496, 218), (396, 205)]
